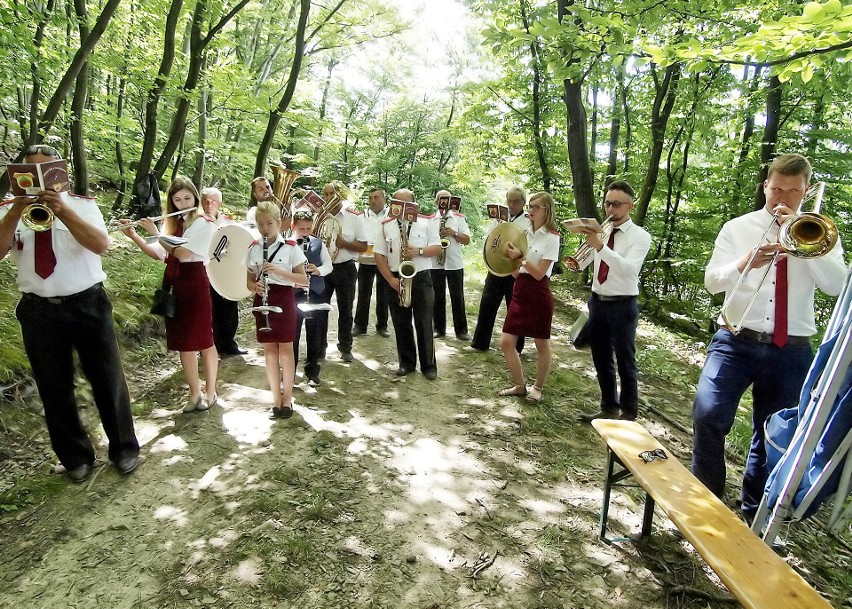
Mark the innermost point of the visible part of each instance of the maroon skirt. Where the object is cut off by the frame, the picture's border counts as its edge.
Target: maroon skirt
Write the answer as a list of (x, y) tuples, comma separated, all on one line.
[(283, 324), (191, 329), (531, 311)]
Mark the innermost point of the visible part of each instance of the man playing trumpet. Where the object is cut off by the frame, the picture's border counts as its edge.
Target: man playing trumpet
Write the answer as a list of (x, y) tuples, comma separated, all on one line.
[(613, 309)]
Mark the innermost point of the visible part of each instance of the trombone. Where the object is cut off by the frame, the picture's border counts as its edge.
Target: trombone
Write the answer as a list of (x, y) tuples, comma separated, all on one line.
[(805, 234)]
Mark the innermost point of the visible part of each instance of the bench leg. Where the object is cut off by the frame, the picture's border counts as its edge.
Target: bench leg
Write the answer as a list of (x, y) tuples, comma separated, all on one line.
[(610, 467), (612, 478), (648, 515)]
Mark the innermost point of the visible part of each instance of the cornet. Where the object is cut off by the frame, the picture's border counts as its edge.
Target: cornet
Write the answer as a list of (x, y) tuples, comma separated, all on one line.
[(806, 234), (576, 262)]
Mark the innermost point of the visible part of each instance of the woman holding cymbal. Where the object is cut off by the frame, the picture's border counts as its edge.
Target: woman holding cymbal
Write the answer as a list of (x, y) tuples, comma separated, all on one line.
[(531, 311)]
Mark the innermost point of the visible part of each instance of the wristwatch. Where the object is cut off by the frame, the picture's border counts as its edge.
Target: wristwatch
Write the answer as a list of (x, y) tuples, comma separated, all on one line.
[(420, 251)]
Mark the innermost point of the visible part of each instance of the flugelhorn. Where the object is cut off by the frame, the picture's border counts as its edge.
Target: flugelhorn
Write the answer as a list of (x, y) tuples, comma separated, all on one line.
[(576, 262), (805, 234)]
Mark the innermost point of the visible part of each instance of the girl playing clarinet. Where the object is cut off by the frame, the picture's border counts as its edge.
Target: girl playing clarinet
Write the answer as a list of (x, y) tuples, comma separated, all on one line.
[(275, 266)]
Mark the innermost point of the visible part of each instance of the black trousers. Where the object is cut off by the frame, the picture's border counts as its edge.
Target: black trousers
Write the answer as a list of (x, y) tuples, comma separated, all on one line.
[(368, 274), (495, 291), (454, 281), (312, 322), (52, 330), (341, 281), (226, 322), (612, 331), (420, 311)]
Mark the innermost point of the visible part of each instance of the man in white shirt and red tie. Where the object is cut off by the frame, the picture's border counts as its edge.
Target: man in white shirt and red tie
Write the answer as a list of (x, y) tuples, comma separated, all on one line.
[(613, 308), (772, 352), (64, 308)]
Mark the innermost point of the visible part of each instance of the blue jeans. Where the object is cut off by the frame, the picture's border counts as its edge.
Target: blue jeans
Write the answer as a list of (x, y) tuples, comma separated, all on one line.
[(732, 364)]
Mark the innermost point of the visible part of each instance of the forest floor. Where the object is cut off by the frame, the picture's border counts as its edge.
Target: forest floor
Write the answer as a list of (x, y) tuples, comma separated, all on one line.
[(378, 492)]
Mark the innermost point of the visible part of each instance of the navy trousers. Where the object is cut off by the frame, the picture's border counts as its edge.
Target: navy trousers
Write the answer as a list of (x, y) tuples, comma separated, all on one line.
[(612, 331)]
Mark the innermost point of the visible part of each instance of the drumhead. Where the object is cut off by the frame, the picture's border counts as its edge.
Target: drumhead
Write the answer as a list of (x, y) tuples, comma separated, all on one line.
[(228, 261)]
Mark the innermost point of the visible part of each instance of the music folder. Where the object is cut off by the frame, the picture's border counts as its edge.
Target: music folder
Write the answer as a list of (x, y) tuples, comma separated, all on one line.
[(574, 225), (29, 179)]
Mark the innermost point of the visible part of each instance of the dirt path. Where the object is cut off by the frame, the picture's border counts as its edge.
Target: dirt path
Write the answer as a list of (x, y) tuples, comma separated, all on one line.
[(379, 492)]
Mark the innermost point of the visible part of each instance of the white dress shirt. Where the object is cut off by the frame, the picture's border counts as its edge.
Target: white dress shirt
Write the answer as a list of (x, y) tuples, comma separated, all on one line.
[(288, 257), (736, 239), (352, 229), (625, 260), (372, 227), (77, 268), (542, 244), (423, 234), (454, 260), (198, 236)]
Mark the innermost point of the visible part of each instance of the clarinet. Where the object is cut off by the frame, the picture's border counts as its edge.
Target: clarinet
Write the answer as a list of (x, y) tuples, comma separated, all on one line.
[(306, 244), (265, 327)]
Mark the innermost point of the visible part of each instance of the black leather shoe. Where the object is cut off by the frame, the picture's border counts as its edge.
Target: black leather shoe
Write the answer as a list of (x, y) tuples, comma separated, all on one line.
[(237, 351), (358, 331), (628, 416), (431, 374), (382, 332), (588, 417), (465, 336), (346, 356), (402, 371), (80, 473), (439, 334), (127, 465)]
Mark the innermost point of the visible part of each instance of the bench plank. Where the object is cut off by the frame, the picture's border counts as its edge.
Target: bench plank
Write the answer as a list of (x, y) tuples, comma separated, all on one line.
[(751, 570)]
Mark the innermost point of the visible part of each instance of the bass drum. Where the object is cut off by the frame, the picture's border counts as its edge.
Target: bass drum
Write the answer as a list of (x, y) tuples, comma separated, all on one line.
[(228, 261)]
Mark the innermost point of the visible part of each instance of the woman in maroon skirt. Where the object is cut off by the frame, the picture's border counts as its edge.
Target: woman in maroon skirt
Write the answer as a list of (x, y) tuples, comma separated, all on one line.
[(274, 267), (190, 331), (531, 311)]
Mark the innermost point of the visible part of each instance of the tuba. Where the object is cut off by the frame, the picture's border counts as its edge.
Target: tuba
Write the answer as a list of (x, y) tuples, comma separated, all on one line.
[(283, 182), (407, 270), (327, 227)]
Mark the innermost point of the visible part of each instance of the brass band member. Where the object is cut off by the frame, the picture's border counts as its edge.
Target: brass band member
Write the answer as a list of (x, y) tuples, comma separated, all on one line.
[(226, 317), (774, 368), (449, 274), (191, 329), (497, 289), (423, 244), (317, 267), (261, 190), (64, 308), (368, 273), (342, 281), (613, 309), (531, 310), (283, 268)]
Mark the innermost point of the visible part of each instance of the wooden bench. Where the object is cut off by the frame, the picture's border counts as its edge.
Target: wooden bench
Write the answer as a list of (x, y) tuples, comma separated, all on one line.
[(751, 570)]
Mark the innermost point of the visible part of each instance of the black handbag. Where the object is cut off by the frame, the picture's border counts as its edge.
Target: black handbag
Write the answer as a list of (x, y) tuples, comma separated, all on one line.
[(164, 302)]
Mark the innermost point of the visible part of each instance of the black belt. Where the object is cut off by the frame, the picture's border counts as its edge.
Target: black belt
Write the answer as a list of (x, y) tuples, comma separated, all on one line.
[(613, 298), (765, 337), (342, 263), (57, 300)]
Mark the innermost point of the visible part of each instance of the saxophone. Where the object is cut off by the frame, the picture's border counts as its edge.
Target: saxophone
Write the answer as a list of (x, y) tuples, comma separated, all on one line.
[(407, 270), (445, 243)]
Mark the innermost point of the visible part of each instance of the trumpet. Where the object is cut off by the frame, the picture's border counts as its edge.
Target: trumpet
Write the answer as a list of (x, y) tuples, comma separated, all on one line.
[(120, 227), (806, 234), (575, 262), (38, 217)]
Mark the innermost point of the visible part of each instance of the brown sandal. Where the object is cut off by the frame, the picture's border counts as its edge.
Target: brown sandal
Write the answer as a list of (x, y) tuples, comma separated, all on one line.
[(514, 390), (534, 394)]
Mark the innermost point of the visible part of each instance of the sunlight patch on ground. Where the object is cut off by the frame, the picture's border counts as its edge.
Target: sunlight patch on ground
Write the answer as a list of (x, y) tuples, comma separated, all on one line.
[(209, 481), (396, 517), (442, 556), (171, 514), (147, 430), (542, 507), (169, 444), (248, 426), (368, 362), (354, 545), (249, 571)]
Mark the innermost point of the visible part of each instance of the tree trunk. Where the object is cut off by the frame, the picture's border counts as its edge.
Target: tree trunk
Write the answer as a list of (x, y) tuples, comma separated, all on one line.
[(770, 137), (614, 134), (737, 199), (536, 102), (332, 62), (664, 99), (287, 97), (577, 140), (205, 103), (78, 104)]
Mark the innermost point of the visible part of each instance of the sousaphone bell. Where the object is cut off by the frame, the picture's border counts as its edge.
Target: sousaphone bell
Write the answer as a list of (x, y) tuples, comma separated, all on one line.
[(494, 250)]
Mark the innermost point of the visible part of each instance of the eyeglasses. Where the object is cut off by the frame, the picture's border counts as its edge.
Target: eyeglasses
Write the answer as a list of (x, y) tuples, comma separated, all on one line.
[(649, 455), (615, 204), (42, 149), (534, 207)]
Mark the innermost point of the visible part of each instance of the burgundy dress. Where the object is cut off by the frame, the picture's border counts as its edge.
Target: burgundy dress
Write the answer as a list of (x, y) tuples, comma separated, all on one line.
[(283, 324), (191, 329), (531, 311)]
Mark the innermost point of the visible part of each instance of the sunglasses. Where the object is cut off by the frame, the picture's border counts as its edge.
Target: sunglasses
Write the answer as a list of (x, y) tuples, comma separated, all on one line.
[(42, 149), (303, 215), (649, 455)]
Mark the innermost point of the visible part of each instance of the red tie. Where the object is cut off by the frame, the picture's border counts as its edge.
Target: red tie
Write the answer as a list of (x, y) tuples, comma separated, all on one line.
[(45, 259), (179, 227), (779, 337), (603, 269)]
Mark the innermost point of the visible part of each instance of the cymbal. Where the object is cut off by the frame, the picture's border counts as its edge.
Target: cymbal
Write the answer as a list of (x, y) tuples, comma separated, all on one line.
[(494, 248)]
